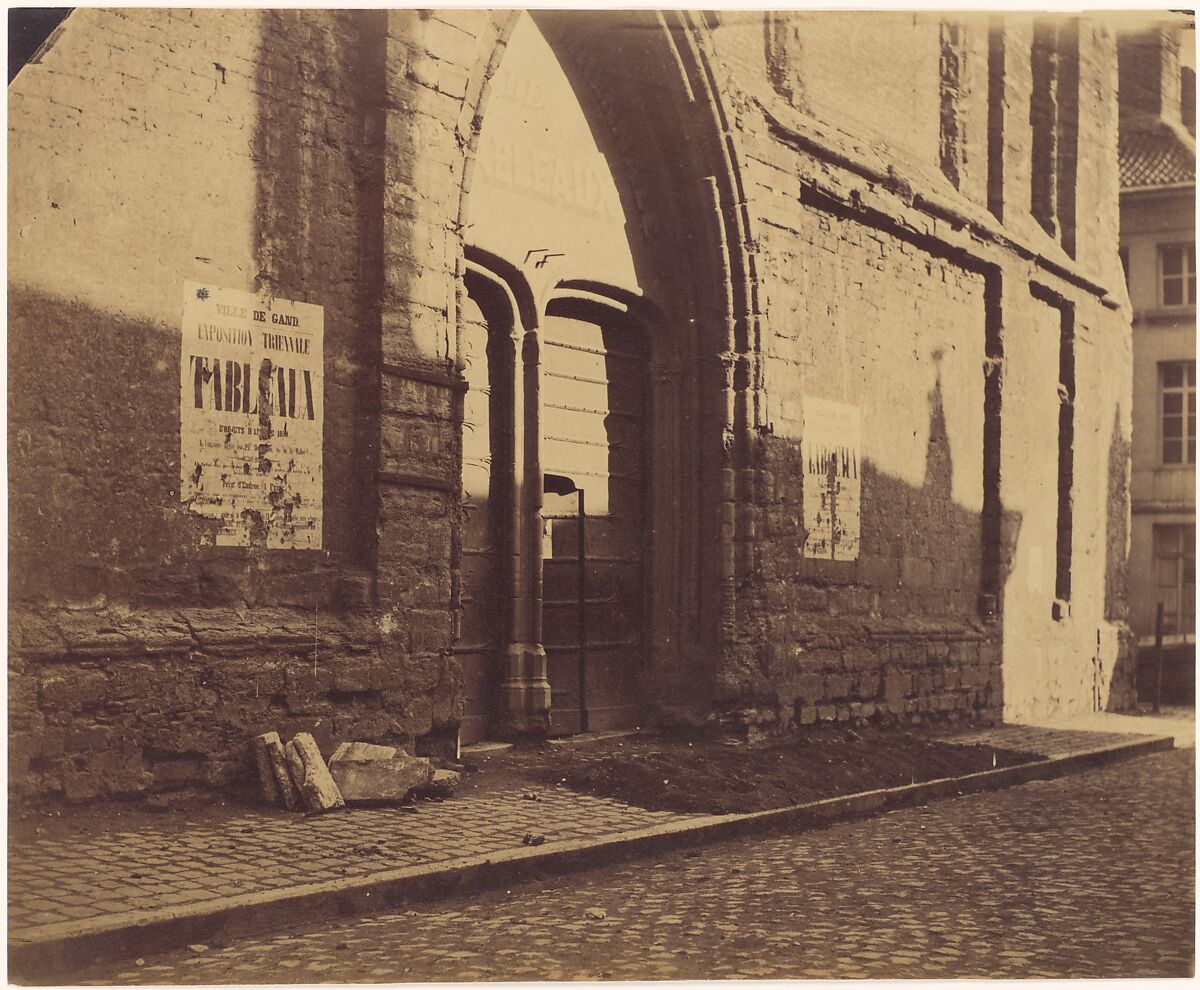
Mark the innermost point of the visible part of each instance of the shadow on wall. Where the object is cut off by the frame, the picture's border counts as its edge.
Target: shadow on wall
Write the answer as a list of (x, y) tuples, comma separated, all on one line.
[(666, 160), (933, 541), (320, 145), (93, 468), (318, 227), (893, 635), (1122, 693)]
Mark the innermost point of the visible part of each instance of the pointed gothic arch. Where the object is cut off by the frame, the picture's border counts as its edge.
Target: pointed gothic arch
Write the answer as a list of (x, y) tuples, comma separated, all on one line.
[(646, 91)]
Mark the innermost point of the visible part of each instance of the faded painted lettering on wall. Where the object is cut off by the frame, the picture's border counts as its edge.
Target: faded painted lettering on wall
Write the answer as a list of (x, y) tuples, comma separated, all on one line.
[(832, 483), (250, 415)]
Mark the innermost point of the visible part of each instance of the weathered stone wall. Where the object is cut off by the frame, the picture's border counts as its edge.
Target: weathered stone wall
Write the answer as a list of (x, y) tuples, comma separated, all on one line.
[(885, 260), (894, 632), (872, 296), (244, 150), (887, 323)]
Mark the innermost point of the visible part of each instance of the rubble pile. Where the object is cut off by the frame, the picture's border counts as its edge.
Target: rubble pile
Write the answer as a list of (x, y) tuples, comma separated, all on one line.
[(296, 775)]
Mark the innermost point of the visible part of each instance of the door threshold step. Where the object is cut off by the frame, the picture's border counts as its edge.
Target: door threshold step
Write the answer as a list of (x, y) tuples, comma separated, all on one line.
[(583, 738), (486, 747)]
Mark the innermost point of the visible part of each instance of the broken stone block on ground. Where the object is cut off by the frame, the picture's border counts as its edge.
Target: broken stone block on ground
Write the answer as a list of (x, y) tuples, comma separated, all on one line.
[(295, 764), (266, 772), (379, 780), (319, 790), (362, 751), (271, 748)]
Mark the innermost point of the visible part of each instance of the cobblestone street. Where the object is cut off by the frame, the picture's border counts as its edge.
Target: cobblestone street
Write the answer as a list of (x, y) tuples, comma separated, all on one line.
[(1086, 876)]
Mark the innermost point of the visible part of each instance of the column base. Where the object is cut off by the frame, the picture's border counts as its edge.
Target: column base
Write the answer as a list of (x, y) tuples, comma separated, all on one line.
[(525, 693)]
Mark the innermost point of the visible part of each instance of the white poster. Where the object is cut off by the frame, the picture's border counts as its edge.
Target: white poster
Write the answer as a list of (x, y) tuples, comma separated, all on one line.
[(830, 445), (251, 396)]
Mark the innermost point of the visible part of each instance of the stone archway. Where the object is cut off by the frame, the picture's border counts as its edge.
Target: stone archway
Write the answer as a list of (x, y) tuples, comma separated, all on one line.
[(637, 203)]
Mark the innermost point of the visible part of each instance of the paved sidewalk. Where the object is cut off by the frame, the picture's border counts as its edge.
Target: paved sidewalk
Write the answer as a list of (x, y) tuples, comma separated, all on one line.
[(1089, 875), (123, 881), (1176, 721), (1051, 743), (53, 882)]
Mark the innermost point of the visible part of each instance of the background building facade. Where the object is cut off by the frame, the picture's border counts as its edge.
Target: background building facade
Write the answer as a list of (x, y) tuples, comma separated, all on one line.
[(803, 302), (1158, 248)]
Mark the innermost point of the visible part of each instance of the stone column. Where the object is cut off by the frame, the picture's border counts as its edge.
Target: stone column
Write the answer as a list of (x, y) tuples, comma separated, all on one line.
[(525, 692)]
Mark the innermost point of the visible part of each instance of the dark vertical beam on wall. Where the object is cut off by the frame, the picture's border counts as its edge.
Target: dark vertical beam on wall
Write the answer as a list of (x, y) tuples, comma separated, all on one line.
[(1066, 450), (1043, 116), (1067, 143), (950, 66), (995, 122), (1064, 524), (992, 517)]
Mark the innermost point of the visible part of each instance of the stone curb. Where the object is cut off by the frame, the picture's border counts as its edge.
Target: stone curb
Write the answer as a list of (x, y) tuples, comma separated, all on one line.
[(57, 950)]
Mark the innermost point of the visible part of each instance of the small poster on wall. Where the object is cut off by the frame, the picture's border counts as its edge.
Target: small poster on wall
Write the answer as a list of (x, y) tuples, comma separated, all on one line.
[(251, 410), (830, 445)]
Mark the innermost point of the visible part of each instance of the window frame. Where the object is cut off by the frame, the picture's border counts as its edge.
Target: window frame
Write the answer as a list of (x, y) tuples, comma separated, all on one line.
[(1182, 618), (1186, 277), (1186, 437)]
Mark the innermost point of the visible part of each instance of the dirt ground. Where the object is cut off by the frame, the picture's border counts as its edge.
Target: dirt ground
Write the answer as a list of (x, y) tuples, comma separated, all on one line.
[(687, 772), (180, 810), (694, 773)]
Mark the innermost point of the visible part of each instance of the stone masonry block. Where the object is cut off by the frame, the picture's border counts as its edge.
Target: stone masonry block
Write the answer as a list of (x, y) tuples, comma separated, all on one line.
[(866, 684), (429, 631), (896, 685), (81, 786), (938, 651), (862, 658), (810, 687), (353, 676), (365, 781), (810, 598), (995, 681), (916, 572), (878, 571), (449, 42), (73, 690), (362, 751), (837, 686), (319, 790), (22, 694), (973, 676)]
